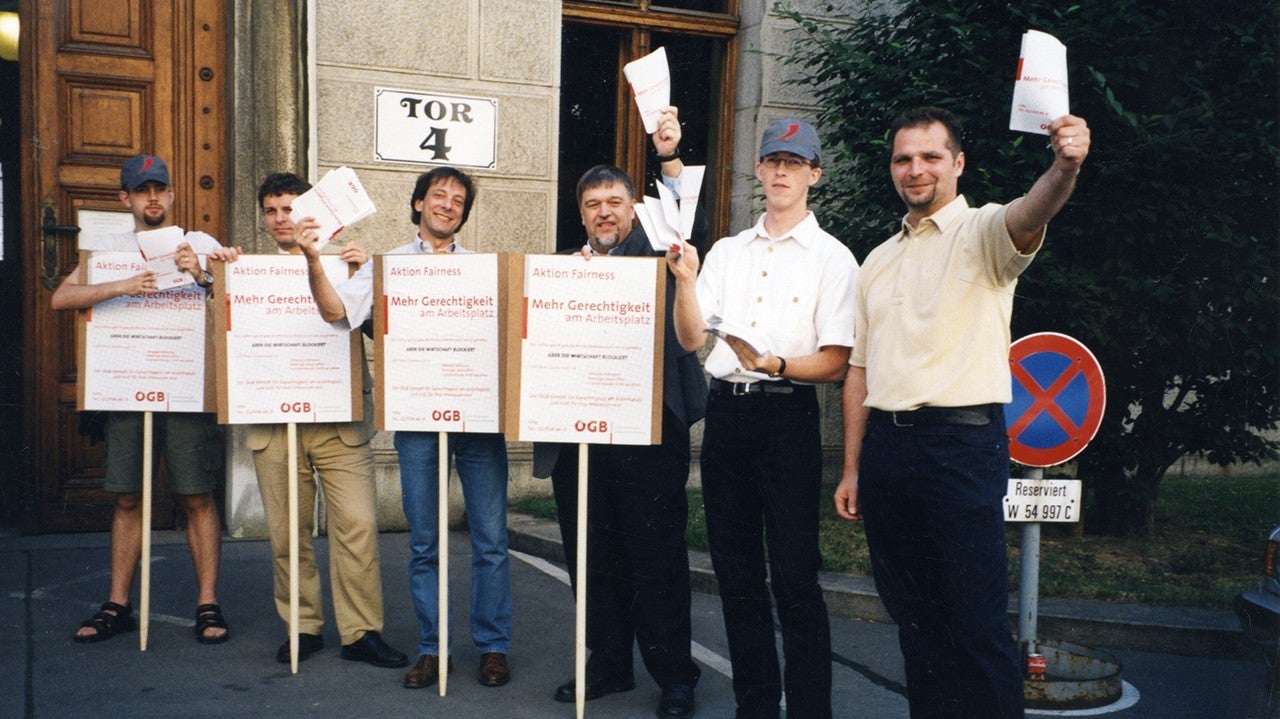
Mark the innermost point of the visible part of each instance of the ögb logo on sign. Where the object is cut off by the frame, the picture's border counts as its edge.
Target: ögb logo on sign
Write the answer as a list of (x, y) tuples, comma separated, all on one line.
[(595, 425), (295, 407), (141, 396), (1059, 395), (446, 415)]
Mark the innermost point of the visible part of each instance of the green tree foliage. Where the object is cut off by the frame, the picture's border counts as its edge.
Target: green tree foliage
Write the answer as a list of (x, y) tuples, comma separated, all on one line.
[(1164, 262)]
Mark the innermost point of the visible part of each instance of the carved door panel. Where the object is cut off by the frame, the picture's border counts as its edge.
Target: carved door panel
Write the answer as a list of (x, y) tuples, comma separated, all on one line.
[(103, 80)]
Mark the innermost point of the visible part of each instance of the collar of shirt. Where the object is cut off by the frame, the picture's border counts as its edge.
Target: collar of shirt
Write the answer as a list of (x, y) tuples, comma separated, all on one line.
[(803, 233), (596, 253), (940, 220), (426, 248)]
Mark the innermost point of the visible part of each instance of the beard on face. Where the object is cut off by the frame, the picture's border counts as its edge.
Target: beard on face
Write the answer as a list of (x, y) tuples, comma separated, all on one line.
[(157, 221), (607, 242)]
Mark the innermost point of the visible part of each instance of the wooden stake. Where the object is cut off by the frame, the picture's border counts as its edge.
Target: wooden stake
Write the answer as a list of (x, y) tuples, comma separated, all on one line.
[(580, 609), (292, 440), (442, 546), (144, 603)]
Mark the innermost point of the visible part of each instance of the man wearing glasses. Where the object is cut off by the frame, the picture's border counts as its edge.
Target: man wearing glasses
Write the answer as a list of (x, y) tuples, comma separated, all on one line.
[(786, 288)]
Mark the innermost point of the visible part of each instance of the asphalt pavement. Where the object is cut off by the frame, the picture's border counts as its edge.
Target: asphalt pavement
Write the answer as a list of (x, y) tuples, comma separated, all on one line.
[(49, 583)]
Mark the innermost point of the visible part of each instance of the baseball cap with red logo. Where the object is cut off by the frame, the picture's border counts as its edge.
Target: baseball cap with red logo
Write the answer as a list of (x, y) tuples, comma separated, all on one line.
[(798, 138), (141, 169)]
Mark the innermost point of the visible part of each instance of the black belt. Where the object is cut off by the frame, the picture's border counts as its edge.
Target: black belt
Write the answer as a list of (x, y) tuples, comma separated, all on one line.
[(742, 389), (977, 415)]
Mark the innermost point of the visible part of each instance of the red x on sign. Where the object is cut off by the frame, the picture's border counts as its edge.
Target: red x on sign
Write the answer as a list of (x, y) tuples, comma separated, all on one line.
[(1058, 397)]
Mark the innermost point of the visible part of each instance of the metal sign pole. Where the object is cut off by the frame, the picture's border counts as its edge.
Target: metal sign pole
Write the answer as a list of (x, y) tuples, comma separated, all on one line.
[(1029, 581)]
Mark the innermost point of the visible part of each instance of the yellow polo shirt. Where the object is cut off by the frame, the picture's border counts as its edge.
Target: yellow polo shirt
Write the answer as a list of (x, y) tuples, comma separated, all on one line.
[(933, 307)]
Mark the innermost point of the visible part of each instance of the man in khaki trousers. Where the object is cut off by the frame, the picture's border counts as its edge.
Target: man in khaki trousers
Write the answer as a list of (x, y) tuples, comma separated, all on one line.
[(339, 453)]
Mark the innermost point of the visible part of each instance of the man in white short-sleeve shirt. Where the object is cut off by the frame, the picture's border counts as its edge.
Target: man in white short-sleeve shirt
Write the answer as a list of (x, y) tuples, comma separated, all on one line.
[(783, 292)]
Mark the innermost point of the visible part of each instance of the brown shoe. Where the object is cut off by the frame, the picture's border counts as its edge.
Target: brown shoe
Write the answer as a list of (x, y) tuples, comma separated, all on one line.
[(493, 669), (425, 673)]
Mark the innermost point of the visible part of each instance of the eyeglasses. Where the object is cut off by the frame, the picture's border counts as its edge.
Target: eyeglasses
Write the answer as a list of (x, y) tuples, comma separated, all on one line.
[(790, 162)]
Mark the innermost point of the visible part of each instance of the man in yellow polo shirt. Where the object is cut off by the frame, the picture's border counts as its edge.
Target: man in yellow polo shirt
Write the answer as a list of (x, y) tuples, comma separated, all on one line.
[(926, 455)]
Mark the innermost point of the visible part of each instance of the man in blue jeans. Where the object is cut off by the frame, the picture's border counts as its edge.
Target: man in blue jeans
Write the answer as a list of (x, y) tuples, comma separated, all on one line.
[(441, 203), (926, 455)]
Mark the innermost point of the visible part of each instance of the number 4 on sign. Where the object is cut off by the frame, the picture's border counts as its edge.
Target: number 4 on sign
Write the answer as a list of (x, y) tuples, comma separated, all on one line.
[(435, 142)]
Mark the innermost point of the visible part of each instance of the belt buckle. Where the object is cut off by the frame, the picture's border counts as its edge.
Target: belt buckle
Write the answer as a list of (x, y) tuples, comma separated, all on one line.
[(740, 389), (896, 423)]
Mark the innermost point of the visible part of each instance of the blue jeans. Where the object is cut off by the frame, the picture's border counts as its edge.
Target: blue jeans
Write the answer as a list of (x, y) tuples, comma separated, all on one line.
[(932, 503), (482, 467)]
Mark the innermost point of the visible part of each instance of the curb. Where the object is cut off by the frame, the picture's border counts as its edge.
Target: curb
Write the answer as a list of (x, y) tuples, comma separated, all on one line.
[(1189, 632)]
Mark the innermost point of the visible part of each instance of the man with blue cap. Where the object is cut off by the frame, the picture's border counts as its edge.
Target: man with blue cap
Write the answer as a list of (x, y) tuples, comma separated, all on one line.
[(783, 293), (190, 440)]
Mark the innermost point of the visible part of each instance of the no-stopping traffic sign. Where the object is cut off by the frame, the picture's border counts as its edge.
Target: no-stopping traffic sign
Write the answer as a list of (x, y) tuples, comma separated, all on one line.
[(1058, 397)]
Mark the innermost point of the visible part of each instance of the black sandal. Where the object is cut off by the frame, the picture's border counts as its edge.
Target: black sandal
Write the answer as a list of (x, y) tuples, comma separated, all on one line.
[(209, 616), (111, 619)]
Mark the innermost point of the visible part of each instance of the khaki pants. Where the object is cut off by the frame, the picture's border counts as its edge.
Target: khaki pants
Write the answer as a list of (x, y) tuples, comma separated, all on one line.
[(354, 569)]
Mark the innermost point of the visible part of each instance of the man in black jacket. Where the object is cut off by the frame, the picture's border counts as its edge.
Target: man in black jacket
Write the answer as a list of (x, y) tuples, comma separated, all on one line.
[(638, 564)]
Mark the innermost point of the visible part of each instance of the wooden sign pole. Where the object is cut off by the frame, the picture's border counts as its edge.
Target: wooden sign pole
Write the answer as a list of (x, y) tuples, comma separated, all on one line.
[(292, 439), (144, 603), (442, 547), (580, 609)]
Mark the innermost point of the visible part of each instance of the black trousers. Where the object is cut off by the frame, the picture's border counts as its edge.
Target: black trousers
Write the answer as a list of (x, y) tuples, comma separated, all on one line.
[(932, 498), (761, 481), (637, 559)]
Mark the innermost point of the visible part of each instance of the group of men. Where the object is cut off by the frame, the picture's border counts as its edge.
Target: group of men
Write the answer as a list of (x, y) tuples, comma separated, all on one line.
[(919, 334)]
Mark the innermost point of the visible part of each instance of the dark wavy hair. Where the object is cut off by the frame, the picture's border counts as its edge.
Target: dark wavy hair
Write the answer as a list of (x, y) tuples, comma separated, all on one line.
[(281, 183), (440, 174)]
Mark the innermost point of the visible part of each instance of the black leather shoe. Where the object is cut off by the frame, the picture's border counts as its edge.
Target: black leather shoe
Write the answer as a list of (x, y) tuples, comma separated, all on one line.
[(597, 686), (370, 648), (308, 644), (677, 701)]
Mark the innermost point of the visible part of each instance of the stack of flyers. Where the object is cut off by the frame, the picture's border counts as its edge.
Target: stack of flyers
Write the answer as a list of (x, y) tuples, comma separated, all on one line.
[(667, 220), (1040, 87), (650, 80), (160, 248), (718, 326), (337, 201)]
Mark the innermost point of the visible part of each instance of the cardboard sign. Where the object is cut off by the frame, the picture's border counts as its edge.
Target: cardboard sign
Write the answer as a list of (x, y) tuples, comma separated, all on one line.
[(439, 336), (588, 368), (278, 361), (140, 354)]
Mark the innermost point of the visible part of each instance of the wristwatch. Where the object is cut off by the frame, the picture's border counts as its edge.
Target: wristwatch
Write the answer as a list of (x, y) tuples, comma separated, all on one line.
[(675, 155), (207, 280), (782, 367)]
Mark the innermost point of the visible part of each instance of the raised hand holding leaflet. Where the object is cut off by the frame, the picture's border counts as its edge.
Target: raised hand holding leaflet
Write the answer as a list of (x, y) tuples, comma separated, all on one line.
[(160, 248), (650, 80), (337, 201), (1040, 85)]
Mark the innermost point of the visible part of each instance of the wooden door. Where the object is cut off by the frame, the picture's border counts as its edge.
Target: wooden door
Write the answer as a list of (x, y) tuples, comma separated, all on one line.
[(103, 80)]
